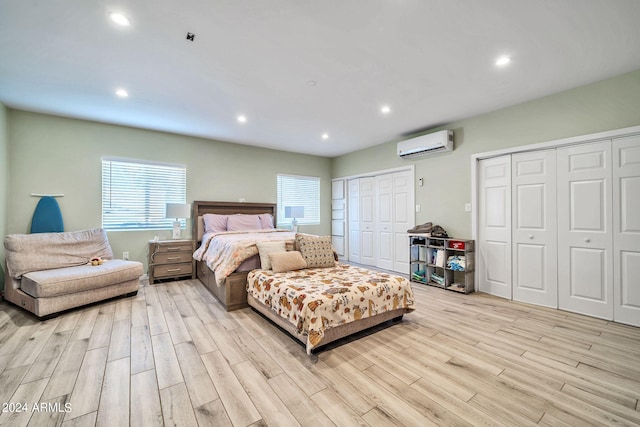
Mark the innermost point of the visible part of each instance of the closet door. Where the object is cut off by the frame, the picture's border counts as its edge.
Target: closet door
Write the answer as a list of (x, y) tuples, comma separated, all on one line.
[(384, 221), (494, 226), (585, 252), (626, 229), (353, 214), (367, 225), (393, 217), (534, 236), (338, 207), (403, 218)]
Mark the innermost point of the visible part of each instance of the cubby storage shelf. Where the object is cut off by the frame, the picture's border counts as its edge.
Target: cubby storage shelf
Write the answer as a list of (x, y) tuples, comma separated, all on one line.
[(430, 259)]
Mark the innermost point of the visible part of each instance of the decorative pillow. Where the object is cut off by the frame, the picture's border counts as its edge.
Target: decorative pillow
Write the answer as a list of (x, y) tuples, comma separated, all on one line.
[(214, 223), (266, 221), (267, 248), (240, 222), (316, 250), (287, 261)]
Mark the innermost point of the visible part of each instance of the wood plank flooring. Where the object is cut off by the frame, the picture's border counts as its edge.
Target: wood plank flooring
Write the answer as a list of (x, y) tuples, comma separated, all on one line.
[(172, 356)]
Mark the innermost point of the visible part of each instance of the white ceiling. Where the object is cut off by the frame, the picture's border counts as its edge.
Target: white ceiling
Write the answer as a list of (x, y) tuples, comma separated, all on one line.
[(431, 61)]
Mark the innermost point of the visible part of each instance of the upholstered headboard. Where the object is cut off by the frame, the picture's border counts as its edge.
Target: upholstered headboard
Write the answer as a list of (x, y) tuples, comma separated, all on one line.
[(226, 208)]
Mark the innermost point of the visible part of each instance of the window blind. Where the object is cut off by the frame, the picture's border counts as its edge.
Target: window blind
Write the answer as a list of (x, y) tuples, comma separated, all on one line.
[(135, 194), (294, 190)]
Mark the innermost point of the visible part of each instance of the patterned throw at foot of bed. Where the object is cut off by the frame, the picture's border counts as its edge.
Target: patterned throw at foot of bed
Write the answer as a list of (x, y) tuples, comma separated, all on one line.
[(316, 299)]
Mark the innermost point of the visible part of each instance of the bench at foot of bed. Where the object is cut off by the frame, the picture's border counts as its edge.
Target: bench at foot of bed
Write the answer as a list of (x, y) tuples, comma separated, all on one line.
[(331, 334)]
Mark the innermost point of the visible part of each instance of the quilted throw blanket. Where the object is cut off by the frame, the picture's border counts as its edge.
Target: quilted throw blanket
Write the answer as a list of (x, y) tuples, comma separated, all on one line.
[(224, 252), (316, 299)]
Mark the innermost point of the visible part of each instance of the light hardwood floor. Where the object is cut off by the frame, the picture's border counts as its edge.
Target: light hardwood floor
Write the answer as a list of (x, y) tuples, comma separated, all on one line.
[(172, 356)]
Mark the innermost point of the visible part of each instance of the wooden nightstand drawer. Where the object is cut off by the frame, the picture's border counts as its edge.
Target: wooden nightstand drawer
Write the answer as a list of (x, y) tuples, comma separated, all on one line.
[(173, 270), (171, 257), (169, 246)]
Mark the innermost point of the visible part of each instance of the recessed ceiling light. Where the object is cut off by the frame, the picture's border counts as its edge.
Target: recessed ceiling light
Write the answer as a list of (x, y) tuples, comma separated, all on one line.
[(385, 109), (122, 93), (502, 61), (120, 19), (242, 119), (325, 136)]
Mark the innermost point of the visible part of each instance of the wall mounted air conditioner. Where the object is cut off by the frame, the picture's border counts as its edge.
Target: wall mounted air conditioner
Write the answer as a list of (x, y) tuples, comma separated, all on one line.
[(436, 142)]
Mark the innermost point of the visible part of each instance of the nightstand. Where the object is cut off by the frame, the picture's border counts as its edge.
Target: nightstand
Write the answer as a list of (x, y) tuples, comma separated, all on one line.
[(171, 259)]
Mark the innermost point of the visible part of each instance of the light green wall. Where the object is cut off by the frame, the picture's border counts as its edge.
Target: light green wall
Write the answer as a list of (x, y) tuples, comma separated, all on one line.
[(606, 105), (4, 185), (50, 154)]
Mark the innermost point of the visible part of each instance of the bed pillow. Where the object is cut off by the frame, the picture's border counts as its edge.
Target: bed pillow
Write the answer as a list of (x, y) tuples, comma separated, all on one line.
[(317, 251), (266, 221), (287, 261), (240, 222), (214, 223), (267, 248)]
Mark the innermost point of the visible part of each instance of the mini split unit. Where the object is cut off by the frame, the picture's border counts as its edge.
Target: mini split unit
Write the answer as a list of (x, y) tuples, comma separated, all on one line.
[(436, 142)]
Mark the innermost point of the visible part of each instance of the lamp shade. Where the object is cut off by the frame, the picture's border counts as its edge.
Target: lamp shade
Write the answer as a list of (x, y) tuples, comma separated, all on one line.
[(178, 210), (294, 211)]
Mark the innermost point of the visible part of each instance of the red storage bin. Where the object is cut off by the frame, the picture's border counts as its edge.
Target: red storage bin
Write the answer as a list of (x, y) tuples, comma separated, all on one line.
[(456, 244)]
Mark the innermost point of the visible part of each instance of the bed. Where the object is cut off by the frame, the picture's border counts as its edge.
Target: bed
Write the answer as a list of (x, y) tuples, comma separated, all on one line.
[(319, 301), (314, 298), (230, 290)]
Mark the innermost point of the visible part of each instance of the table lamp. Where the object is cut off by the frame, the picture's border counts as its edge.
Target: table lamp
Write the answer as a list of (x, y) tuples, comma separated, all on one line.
[(294, 212), (177, 211)]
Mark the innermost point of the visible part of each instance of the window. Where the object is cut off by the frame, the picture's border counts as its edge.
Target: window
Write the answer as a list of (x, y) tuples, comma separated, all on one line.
[(134, 194), (301, 191)]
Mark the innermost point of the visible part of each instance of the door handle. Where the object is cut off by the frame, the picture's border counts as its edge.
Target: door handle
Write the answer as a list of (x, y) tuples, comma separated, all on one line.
[(531, 236), (587, 240)]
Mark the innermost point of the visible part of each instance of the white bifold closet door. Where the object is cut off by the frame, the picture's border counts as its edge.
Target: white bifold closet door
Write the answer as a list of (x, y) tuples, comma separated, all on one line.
[(534, 225), (353, 215), (585, 238), (394, 216), (626, 229), (494, 226), (561, 228), (403, 218), (384, 221), (367, 218)]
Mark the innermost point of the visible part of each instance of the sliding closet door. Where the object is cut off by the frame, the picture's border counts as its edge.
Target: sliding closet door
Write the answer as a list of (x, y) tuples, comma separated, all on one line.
[(585, 242), (353, 214), (626, 229), (403, 218), (384, 221), (367, 225), (534, 236), (494, 226)]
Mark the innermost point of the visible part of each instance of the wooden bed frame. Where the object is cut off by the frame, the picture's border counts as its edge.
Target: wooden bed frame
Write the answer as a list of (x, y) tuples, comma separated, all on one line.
[(233, 295)]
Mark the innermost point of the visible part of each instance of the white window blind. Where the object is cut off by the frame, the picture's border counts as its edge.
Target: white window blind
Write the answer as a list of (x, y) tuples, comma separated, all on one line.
[(302, 191), (135, 194)]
